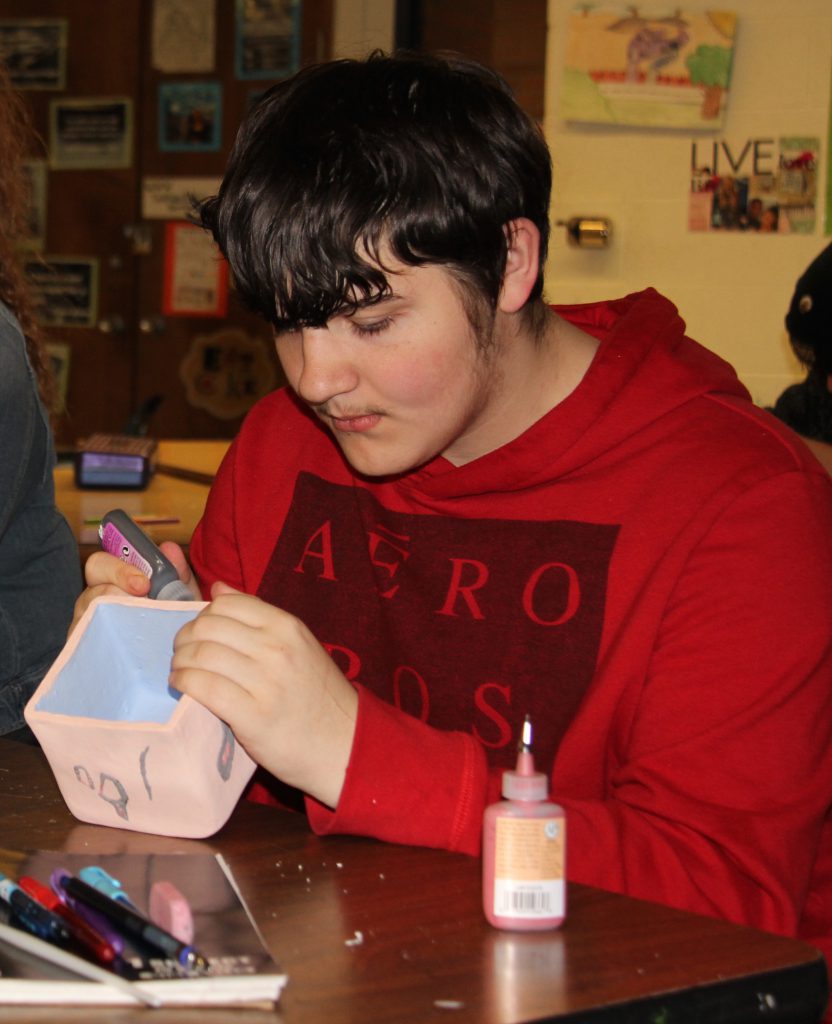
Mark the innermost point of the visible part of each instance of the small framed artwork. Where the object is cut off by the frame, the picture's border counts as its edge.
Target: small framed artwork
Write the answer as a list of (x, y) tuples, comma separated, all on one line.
[(183, 36), (64, 290), (34, 51), (190, 116), (267, 43), (86, 134), (227, 371), (663, 70), (196, 275)]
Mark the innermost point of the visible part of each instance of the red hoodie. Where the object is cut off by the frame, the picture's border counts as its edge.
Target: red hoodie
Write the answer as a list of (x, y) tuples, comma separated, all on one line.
[(647, 572)]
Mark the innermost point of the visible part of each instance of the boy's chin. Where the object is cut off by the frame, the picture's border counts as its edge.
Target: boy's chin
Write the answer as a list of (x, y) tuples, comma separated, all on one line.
[(380, 463)]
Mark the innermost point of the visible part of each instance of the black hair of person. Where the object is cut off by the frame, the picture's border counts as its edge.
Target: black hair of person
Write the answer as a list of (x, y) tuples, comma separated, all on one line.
[(425, 156), (809, 317)]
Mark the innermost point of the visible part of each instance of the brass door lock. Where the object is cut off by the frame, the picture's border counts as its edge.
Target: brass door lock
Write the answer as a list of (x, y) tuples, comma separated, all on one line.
[(587, 232)]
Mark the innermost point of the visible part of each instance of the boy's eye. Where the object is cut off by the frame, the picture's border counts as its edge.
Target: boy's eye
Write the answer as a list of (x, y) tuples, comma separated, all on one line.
[(371, 326)]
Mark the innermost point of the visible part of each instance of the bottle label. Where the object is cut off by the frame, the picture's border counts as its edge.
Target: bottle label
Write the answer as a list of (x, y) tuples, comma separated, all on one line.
[(529, 867), (113, 541)]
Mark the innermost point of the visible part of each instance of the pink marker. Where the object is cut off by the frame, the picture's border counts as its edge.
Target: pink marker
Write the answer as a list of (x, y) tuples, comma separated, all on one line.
[(524, 850)]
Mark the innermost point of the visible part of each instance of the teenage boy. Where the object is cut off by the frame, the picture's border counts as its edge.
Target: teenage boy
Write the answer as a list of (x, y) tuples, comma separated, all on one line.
[(468, 507)]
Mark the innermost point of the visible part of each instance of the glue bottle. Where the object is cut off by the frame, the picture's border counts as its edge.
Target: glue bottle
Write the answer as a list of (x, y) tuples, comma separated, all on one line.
[(524, 850)]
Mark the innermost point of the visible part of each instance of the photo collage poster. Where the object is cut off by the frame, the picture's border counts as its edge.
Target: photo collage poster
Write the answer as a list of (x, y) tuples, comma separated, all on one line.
[(764, 185)]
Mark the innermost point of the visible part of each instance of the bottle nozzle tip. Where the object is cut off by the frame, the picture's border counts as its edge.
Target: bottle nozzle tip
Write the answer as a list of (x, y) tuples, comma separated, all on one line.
[(526, 735)]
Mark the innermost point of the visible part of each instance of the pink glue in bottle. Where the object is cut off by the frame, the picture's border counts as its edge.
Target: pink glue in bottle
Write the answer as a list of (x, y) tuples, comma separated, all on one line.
[(524, 850)]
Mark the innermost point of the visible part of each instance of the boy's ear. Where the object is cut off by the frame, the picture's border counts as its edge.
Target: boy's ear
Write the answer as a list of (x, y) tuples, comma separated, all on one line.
[(522, 264)]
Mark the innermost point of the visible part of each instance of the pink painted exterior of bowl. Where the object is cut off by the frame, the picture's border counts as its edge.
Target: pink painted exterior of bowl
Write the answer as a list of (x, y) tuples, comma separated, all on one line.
[(180, 776)]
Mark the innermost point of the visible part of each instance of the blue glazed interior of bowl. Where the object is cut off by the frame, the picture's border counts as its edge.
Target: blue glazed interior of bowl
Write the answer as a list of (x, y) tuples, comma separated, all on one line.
[(119, 670)]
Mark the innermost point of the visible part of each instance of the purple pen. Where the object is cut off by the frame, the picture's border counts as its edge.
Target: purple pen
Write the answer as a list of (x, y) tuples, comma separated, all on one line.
[(96, 921)]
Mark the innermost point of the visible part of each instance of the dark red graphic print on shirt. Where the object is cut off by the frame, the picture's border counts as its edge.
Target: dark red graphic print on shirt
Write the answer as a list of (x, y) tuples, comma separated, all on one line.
[(465, 623)]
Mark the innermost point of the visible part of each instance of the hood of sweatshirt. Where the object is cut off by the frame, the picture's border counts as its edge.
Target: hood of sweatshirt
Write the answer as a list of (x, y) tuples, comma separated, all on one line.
[(645, 369)]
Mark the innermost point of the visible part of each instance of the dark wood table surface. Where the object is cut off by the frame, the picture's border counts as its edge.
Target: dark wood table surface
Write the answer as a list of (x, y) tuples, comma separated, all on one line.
[(426, 952)]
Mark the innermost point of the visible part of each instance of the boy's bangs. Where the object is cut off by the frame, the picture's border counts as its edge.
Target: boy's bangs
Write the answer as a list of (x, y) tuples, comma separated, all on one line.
[(314, 278)]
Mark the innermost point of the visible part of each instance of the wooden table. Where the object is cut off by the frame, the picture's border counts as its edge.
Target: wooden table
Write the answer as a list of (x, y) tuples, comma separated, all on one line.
[(178, 489), (427, 953)]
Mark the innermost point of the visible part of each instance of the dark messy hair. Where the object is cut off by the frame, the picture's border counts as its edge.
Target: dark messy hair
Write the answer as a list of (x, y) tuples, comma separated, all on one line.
[(430, 155)]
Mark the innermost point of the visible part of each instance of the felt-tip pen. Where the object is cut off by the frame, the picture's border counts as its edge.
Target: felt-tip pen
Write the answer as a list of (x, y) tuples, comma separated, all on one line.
[(98, 922), (84, 934), (133, 924), (31, 915)]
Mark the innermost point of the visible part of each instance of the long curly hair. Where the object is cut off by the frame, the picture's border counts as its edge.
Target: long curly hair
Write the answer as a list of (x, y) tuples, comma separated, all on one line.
[(15, 135)]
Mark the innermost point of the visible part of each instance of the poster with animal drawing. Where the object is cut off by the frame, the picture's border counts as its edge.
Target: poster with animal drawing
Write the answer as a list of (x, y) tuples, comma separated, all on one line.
[(667, 69)]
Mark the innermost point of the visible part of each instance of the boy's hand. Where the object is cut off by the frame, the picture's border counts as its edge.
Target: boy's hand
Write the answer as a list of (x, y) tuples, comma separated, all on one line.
[(261, 670), (106, 574)]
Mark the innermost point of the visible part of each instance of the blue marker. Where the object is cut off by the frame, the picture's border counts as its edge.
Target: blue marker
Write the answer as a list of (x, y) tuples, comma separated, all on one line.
[(99, 879), (31, 915)]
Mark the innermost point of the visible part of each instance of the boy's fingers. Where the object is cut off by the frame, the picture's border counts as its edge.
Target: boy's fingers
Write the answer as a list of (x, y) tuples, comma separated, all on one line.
[(101, 569)]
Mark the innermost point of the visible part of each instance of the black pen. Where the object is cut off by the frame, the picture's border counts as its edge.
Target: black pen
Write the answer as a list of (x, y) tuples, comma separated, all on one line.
[(31, 915), (133, 924)]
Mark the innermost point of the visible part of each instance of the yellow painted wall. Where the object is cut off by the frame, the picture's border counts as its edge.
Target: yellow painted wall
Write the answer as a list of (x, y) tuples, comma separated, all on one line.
[(732, 289)]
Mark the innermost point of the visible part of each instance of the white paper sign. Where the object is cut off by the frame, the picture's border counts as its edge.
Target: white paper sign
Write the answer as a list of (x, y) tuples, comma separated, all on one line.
[(170, 198), (184, 35)]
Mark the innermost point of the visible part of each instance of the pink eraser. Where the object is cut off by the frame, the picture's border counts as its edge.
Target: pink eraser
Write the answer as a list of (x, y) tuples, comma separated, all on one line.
[(170, 910)]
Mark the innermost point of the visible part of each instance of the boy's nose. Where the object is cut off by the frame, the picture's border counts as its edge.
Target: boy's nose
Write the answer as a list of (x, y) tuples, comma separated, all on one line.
[(325, 370)]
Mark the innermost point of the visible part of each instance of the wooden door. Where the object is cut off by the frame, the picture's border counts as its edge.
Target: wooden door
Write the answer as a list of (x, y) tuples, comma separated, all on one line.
[(204, 371), (507, 35), (206, 368), (86, 209)]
